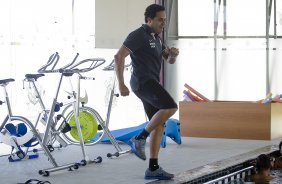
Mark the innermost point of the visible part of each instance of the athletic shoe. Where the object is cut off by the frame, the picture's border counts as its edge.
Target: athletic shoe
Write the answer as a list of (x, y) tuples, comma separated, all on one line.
[(138, 147), (159, 174)]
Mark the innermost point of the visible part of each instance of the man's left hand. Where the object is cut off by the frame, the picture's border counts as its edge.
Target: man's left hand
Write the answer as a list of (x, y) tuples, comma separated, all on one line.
[(173, 52)]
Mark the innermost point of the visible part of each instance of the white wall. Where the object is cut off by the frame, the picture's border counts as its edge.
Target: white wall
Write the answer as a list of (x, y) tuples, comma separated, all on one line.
[(115, 19), (36, 30)]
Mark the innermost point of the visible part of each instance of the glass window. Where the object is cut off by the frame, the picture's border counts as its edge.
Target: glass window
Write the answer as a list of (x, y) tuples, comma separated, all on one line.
[(195, 17), (240, 63), (246, 17), (243, 17), (278, 19)]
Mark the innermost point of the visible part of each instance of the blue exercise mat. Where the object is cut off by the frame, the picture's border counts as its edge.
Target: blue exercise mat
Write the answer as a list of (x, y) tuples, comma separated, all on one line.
[(172, 130), (124, 134)]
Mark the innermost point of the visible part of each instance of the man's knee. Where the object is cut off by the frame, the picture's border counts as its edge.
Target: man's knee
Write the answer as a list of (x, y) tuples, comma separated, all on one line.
[(170, 111)]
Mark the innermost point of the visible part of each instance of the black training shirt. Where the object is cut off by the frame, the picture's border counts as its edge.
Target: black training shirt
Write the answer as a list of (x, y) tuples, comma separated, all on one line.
[(146, 55)]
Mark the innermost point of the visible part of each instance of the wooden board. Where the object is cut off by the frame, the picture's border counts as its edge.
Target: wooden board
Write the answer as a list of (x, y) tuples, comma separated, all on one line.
[(236, 120)]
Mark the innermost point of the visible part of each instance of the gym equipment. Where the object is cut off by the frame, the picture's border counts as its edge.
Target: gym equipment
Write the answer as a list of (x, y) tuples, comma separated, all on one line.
[(196, 94), (33, 181), (55, 132), (188, 96), (18, 131), (277, 99), (172, 130), (55, 135), (90, 132), (68, 71), (18, 137), (268, 98), (124, 134)]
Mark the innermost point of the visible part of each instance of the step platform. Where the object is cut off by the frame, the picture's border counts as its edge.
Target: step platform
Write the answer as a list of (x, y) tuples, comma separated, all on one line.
[(123, 135), (172, 130)]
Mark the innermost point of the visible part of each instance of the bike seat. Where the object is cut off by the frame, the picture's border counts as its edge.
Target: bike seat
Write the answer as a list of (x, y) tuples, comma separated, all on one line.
[(6, 81), (34, 76)]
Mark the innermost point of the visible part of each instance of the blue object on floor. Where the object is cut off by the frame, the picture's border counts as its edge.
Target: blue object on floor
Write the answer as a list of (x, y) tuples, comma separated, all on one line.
[(172, 130), (124, 134)]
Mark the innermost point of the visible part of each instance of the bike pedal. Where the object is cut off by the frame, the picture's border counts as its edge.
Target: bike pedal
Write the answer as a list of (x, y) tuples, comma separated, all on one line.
[(66, 128), (50, 148), (100, 127)]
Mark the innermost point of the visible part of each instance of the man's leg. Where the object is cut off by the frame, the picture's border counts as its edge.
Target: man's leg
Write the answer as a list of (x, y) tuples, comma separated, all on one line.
[(155, 171), (160, 118), (154, 129), (159, 107), (155, 141)]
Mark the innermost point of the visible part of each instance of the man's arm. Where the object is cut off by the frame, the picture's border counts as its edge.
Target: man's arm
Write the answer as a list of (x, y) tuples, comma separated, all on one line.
[(120, 56)]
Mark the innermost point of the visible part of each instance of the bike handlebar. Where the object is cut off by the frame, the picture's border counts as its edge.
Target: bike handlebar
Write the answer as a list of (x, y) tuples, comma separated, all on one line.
[(89, 64), (111, 66), (52, 62)]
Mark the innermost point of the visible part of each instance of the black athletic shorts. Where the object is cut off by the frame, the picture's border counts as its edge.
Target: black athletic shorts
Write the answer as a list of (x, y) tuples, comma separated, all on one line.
[(154, 97)]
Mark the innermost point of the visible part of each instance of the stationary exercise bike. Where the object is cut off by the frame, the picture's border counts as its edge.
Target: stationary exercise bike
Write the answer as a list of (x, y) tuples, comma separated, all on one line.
[(91, 122), (65, 72), (18, 131)]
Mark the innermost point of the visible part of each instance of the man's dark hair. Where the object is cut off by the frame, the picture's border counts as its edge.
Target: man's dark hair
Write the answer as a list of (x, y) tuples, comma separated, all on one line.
[(280, 146), (152, 10), (263, 162)]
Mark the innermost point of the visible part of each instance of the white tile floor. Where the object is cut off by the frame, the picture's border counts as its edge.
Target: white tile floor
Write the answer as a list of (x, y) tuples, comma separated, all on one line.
[(128, 169)]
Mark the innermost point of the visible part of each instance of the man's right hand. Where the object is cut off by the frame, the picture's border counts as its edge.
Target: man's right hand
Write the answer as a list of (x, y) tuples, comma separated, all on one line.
[(124, 91)]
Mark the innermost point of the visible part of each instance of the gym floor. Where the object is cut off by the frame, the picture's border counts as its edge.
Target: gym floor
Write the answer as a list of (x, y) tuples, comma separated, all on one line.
[(127, 169)]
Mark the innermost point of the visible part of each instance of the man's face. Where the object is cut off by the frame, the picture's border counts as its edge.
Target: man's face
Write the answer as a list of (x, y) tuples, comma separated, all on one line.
[(157, 24)]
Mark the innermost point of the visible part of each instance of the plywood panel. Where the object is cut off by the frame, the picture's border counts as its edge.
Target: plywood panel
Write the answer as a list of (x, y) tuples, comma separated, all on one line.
[(276, 120), (237, 120)]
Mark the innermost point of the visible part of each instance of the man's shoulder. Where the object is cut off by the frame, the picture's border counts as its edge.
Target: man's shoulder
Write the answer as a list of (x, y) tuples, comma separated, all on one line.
[(138, 35), (139, 30)]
